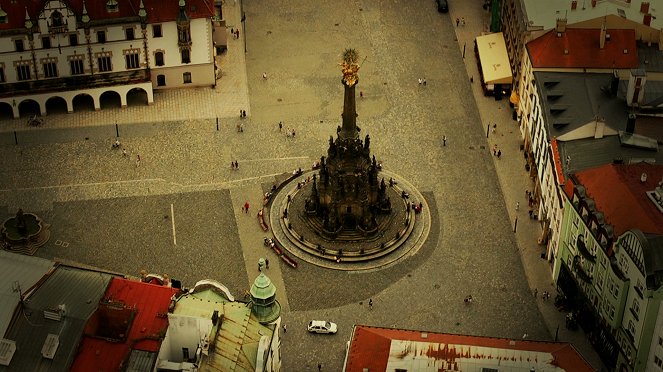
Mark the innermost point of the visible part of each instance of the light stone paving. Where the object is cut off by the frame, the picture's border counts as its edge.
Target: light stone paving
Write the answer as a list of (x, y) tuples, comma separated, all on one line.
[(117, 215)]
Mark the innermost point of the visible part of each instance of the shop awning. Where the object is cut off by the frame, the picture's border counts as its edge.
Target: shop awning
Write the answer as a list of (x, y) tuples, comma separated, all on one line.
[(494, 59)]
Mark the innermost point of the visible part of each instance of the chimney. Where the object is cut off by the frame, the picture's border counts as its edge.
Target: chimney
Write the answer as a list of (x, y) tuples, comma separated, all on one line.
[(636, 87), (644, 7), (574, 4), (602, 36), (630, 124), (560, 26)]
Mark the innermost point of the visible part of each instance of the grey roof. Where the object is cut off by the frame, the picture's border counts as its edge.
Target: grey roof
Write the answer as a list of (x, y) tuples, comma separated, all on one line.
[(652, 251), (141, 361), (22, 270), (651, 59), (571, 100), (591, 152), (79, 291)]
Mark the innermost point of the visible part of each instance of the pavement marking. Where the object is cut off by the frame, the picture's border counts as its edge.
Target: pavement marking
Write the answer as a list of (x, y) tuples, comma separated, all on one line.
[(82, 184), (172, 219)]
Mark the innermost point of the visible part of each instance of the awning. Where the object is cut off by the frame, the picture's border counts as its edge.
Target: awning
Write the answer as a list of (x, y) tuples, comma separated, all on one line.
[(494, 59), (514, 98)]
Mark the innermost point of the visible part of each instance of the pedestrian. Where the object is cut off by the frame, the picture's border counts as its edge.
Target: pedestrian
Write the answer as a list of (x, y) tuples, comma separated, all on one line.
[(472, 79), (424, 82), (444, 140), (264, 76), (495, 150), (462, 22), (319, 367), (267, 263), (232, 30), (246, 207), (288, 133), (236, 165), (238, 125), (124, 152), (237, 31), (232, 164), (284, 328), (420, 81), (241, 127), (494, 127), (259, 267), (499, 153), (137, 160), (370, 304), (280, 125), (536, 292), (241, 114), (457, 21), (361, 94), (517, 206)]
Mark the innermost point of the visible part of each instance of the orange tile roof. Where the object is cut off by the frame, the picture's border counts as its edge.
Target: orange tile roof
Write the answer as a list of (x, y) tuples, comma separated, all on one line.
[(620, 195), (370, 348), (146, 330), (548, 51), (157, 10)]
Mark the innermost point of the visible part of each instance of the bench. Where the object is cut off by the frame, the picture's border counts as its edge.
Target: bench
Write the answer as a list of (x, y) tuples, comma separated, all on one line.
[(261, 220)]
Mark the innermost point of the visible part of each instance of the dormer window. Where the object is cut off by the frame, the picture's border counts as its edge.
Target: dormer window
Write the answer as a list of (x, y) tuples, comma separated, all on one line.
[(56, 19), (111, 6)]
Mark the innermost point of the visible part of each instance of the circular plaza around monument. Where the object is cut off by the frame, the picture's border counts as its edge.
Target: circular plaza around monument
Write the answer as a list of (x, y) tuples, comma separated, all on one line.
[(400, 235)]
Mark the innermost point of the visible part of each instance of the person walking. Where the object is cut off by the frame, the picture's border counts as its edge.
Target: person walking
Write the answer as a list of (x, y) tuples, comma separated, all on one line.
[(284, 328), (499, 153), (264, 76), (517, 206), (457, 21), (280, 126), (370, 304), (246, 207), (236, 165), (319, 367), (137, 160), (266, 263), (444, 140)]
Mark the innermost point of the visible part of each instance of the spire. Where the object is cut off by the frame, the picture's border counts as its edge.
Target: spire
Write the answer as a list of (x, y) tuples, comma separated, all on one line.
[(349, 67), (142, 13), (85, 18), (28, 21), (263, 297)]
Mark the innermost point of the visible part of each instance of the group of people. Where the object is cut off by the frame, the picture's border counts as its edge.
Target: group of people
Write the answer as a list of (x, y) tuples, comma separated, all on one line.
[(422, 81), (234, 165), (234, 33), (460, 21), (497, 152)]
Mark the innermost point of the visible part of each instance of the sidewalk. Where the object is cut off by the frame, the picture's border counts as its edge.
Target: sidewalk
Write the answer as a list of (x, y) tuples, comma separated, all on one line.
[(514, 180)]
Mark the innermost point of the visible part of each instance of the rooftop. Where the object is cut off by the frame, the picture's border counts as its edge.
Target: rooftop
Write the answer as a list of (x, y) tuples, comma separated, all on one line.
[(545, 13), (625, 203), (132, 315), (19, 273), (157, 11), (388, 349), (53, 317), (579, 48)]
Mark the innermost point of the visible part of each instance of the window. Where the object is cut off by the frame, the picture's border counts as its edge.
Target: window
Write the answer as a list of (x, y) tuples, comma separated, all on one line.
[(76, 66), (132, 58), (660, 341), (158, 58), (45, 42), (631, 327), (104, 63), (101, 36), (23, 72), (636, 308), (73, 39), (50, 69), (18, 44), (56, 19), (161, 80), (187, 77), (186, 56), (2, 74), (129, 33), (156, 31)]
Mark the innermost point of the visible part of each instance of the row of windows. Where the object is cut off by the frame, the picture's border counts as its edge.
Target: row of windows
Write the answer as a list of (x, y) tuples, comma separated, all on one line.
[(76, 65), (129, 34), (103, 62)]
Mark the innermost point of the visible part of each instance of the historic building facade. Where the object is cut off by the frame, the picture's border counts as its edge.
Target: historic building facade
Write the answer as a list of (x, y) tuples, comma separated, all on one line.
[(73, 53)]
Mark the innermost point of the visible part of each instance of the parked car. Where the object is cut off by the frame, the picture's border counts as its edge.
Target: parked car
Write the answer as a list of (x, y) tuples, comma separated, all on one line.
[(442, 6), (321, 326)]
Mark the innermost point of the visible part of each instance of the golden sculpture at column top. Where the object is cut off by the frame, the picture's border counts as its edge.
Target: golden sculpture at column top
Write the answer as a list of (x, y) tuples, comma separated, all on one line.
[(350, 67)]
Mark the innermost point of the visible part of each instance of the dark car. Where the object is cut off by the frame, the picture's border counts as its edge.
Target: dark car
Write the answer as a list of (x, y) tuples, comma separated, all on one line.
[(442, 6)]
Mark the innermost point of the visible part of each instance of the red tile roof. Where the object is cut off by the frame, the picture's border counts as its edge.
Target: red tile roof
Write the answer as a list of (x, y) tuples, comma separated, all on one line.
[(157, 11), (620, 195), (548, 51), (150, 303), (370, 346)]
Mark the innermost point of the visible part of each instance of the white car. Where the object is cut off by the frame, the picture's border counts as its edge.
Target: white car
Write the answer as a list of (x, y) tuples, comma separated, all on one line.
[(321, 326)]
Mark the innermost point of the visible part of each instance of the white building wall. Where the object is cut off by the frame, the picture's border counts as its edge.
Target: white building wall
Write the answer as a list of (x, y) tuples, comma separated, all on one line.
[(655, 358)]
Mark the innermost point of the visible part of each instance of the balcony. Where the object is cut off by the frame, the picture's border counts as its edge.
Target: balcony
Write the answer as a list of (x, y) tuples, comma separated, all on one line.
[(60, 29), (75, 82), (581, 271), (582, 248)]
